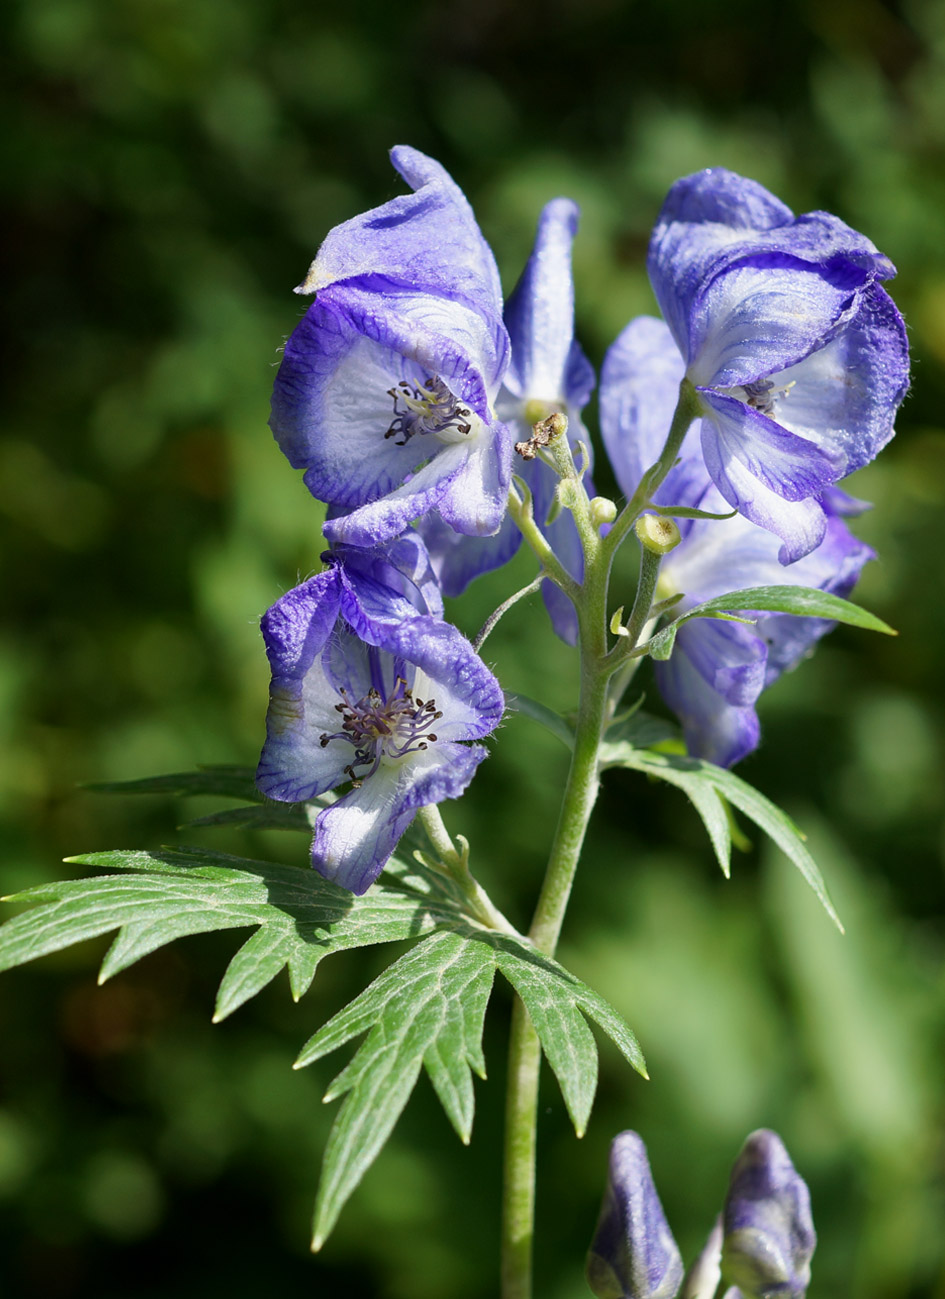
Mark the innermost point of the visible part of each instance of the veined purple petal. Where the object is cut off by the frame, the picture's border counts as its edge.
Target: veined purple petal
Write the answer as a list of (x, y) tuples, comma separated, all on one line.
[(835, 566), (429, 240), (639, 388), (713, 729), (457, 559), (764, 314), (379, 521), (546, 362), (727, 555), (769, 475), (844, 396), (730, 657), (476, 501), (355, 837), (402, 565), (712, 219)]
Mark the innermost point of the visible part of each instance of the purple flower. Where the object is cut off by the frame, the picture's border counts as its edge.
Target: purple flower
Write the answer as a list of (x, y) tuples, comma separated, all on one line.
[(718, 669), (368, 692), (769, 1235), (797, 353), (385, 393), (633, 1254), (548, 372)]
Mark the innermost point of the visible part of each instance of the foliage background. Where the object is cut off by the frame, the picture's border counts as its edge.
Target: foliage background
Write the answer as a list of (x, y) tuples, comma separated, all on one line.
[(170, 169)]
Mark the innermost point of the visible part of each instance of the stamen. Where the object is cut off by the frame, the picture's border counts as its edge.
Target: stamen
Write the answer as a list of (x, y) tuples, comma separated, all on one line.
[(761, 394), (378, 727), (429, 408)]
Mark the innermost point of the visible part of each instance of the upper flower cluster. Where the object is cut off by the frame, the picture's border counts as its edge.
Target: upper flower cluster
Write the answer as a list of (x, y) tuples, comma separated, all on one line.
[(408, 382)]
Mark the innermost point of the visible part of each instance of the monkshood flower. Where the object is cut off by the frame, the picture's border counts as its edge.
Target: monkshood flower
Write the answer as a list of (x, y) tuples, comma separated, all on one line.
[(385, 393), (548, 372), (797, 354), (717, 669), (368, 692), (633, 1254), (768, 1231)]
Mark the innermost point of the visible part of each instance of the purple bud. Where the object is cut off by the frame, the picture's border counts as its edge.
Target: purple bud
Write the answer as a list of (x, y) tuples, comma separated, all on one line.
[(633, 1254), (769, 1234)]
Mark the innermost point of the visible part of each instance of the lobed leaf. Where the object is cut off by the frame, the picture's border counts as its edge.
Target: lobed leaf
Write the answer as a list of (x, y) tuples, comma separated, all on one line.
[(425, 1009), (701, 781), (300, 917), (802, 601)]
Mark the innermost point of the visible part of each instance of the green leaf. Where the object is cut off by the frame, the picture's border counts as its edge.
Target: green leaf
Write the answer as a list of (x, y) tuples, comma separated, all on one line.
[(165, 895), (260, 816), (425, 1009), (660, 646), (545, 716), (228, 782), (803, 601), (692, 774), (641, 730), (688, 512)]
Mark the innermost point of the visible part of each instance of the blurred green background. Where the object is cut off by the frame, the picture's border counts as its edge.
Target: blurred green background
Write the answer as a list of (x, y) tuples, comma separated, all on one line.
[(169, 171)]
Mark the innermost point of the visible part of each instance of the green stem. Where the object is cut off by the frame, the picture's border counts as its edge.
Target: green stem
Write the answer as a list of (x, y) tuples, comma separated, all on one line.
[(524, 1049), (454, 862)]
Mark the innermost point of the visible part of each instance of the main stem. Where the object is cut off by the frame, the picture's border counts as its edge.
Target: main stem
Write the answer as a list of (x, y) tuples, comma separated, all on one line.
[(521, 1114), (518, 1216)]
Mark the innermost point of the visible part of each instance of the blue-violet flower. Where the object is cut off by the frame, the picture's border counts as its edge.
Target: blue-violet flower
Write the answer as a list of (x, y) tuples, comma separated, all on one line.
[(797, 353), (385, 393), (368, 692), (717, 669)]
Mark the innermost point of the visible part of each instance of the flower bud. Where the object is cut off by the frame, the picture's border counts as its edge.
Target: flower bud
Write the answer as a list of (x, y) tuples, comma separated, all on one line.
[(659, 535), (704, 1274), (768, 1230), (633, 1254), (603, 510)]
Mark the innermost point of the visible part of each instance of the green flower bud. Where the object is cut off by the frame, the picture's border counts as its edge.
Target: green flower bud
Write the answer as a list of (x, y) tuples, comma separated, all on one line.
[(659, 535)]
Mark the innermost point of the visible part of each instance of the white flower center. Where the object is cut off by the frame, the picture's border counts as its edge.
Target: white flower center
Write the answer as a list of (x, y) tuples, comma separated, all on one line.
[(379, 727)]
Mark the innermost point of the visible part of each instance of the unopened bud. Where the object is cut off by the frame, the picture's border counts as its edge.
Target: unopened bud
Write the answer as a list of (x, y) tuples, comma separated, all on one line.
[(603, 510), (658, 534), (702, 1279), (769, 1235), (633, 1254)]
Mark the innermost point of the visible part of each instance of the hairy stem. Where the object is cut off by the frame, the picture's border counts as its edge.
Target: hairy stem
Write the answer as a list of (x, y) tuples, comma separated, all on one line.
[(524, 1049)]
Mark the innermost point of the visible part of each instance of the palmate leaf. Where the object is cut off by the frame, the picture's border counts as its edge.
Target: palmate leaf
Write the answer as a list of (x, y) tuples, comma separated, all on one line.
[(710, 787), (160, 896), (426, 1011)]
